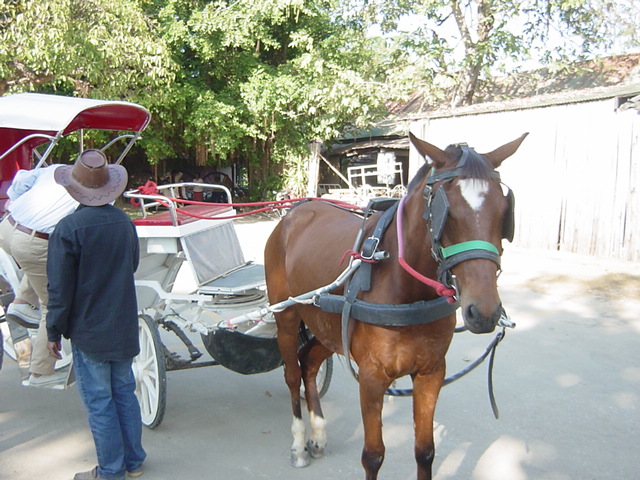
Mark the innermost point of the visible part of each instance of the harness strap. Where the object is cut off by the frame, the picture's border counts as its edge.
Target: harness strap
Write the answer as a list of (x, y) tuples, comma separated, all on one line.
[(370, 245), (448, 263), (440, 288), (490, 352), (349, 298), (361, 279), (417, 313), (451, 174), (466, 246)]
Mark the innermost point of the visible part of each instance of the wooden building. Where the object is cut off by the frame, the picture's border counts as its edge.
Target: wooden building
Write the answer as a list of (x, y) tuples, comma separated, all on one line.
[(576, 177)]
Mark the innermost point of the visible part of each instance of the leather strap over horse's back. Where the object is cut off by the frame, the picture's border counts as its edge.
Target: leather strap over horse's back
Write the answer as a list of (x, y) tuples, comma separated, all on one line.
[(378, 314), (361, 279)]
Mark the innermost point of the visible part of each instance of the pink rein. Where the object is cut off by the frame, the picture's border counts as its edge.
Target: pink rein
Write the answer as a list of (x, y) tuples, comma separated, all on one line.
[(440, 288)]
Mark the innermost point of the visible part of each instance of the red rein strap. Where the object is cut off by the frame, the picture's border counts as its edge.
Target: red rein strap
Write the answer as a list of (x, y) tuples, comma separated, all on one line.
[(440, 288), (150, 188)]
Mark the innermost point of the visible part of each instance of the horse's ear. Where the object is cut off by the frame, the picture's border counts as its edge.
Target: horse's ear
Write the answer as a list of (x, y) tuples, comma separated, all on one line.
[(497, 156), (427, 150)]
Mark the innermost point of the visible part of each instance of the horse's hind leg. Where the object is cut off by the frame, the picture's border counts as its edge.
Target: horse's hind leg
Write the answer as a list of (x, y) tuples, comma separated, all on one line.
[(288, 324), (311, 357)]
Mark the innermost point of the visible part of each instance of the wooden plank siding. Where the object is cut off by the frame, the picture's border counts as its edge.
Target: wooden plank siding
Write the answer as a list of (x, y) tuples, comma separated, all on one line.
[(576, 177)]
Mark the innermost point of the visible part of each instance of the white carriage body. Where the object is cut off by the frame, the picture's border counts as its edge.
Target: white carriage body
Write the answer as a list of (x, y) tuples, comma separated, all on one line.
[(203, 239)]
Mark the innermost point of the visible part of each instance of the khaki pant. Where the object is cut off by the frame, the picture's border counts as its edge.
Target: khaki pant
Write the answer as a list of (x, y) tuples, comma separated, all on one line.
[(30, 253)]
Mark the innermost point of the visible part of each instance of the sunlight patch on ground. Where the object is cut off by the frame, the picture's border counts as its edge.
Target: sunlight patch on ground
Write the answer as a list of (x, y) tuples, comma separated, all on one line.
[(626, 400), (567, 380), (53, 451), (451, 464), (507, 457), (631, 374), (398, 435)]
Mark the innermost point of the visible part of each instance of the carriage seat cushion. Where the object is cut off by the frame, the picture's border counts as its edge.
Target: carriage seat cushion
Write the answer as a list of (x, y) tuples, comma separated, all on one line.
[(164, 218)]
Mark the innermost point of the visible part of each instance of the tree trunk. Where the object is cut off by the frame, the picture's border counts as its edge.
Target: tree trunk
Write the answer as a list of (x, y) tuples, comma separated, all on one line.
[(474, 57)]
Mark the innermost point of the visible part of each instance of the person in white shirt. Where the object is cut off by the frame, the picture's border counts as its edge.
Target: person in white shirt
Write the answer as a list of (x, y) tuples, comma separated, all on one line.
[(198, 195), (36, 204)]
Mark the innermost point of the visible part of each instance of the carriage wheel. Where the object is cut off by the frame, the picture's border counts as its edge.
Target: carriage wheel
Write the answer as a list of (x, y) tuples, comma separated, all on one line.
[(150, 373), (323, 379), (1, 349), (4, 331)]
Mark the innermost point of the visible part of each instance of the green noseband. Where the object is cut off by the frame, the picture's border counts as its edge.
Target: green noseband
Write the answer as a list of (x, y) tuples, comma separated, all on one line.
[(466, 246)]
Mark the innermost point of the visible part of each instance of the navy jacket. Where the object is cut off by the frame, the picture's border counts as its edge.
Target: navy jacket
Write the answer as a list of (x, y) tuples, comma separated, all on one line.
[(93, 254)]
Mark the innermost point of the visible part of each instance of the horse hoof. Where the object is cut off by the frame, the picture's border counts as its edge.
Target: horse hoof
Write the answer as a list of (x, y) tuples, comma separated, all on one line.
[(315, 450), (300, 460)]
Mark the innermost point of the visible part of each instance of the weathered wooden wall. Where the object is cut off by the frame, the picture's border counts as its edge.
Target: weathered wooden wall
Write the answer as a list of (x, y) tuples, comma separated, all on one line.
[(576, 177)]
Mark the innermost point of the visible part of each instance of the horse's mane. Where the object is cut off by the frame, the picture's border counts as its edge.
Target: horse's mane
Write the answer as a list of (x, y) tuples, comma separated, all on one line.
[(420, 174), (476, 166)]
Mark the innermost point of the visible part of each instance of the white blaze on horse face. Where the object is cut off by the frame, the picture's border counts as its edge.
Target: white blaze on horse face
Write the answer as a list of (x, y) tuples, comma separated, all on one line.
[(474, 191)]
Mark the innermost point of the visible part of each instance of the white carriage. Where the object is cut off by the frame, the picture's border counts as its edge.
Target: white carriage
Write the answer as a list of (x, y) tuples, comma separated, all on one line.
[(200, 238)]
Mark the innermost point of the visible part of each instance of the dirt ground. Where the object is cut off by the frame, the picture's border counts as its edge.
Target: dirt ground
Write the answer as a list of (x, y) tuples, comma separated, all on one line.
[(566, 379)]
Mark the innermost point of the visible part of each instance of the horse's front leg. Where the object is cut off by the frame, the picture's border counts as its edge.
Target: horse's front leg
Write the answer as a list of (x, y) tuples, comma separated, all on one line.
[(371, 400), (311, 357), (288, 343), (425, 396)]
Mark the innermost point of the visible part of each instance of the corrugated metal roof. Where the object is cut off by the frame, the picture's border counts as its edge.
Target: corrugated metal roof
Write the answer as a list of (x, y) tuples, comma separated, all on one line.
[(540, 101), (609, 77)]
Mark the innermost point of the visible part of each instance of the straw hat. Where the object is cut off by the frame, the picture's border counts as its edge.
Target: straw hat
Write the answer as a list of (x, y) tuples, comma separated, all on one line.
[(91, 180)]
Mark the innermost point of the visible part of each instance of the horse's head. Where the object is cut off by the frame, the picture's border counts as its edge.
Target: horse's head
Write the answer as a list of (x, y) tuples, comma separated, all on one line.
[(469, 212)]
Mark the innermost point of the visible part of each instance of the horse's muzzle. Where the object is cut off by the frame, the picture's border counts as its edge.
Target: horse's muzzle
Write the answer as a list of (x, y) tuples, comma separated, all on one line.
[(477, 322)]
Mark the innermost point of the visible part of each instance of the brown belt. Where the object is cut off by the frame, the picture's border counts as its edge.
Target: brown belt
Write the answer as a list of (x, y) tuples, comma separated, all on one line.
[(29, 231)]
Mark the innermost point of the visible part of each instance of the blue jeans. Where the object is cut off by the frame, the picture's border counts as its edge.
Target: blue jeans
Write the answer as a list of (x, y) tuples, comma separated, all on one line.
[(107, 389)]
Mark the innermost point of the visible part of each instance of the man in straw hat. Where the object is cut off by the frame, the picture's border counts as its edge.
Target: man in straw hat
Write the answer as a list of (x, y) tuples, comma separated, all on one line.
[(93, 254)]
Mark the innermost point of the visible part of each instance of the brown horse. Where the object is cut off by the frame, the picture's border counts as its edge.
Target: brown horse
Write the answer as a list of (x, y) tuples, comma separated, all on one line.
[(454, 218)]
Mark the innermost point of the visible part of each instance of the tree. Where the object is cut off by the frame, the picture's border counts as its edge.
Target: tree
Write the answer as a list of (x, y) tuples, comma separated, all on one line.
[(259, 80), (254, 82), (91, 47), (225, 81), (463, 41)]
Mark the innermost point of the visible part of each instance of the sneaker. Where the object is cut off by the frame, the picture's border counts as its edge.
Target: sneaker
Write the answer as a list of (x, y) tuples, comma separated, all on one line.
[(24, 314), (90, 475), (134, 474), (55, 381)]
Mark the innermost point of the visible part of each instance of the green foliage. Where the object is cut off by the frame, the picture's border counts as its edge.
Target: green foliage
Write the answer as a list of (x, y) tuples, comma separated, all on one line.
[(260, 79), (93, 47), (254, 82), (461, 42)]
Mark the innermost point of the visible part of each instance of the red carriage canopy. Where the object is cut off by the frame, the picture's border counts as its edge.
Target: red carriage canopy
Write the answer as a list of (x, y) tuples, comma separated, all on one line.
[(28, 120)]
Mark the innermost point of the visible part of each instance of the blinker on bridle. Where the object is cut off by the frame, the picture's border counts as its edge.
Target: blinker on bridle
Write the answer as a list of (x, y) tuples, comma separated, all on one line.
[(436, 212)]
